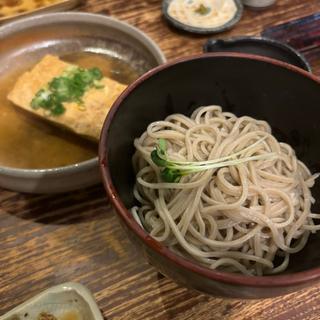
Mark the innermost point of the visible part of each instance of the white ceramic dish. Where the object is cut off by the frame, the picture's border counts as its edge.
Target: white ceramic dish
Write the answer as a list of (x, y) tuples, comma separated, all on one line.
[(27, 40), (66, 301), (202, 30)]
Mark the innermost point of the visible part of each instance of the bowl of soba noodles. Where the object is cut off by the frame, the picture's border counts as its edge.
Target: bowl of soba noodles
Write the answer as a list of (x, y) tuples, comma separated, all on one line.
[(211, 163)]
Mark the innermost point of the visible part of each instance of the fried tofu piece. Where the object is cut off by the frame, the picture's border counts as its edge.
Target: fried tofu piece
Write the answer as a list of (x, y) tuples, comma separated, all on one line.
[(85, 119)]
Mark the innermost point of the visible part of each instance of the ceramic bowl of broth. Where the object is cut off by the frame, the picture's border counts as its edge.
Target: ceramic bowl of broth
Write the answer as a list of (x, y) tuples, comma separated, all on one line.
[(36, 156)]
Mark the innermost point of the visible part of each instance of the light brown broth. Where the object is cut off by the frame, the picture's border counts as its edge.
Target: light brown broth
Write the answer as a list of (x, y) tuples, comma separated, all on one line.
[(31, 143)]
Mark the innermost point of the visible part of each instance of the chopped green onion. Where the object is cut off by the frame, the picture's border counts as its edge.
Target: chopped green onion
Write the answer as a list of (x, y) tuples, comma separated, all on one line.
[(96, 73), (69, 87)]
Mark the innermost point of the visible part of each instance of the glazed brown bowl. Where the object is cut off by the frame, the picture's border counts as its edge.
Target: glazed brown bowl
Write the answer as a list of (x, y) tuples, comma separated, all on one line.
[(284, 95)]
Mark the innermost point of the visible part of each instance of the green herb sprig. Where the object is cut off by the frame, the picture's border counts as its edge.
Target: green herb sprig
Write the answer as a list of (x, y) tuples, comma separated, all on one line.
[(69, 87), (172, 171)]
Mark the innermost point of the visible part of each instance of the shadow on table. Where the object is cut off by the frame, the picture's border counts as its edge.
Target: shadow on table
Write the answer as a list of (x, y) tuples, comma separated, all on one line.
[(67, 208)]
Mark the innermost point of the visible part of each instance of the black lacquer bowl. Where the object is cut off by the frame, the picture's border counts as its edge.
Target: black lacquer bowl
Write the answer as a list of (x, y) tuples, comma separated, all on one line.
[(286, 96)]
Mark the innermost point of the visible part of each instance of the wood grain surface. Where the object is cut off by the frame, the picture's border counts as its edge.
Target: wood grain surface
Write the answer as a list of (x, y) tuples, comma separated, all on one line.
[(47, 240)]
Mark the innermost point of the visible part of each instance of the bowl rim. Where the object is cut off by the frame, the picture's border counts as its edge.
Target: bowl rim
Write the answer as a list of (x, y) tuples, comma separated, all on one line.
[(260, 40), (281, 280), (16, 26)]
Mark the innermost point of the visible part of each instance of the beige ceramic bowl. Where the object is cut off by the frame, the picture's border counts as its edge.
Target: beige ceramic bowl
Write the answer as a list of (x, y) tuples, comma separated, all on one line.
[(62, 33)]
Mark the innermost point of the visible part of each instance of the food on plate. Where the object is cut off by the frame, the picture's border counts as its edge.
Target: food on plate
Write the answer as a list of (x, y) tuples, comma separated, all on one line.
[(46, 316), (70, 315), (14, 7), (65, 94), (39, 144), (202, 13), (223, 191)]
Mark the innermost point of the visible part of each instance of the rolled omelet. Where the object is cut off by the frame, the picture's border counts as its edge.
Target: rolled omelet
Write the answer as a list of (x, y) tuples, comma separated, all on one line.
[(83, 116)]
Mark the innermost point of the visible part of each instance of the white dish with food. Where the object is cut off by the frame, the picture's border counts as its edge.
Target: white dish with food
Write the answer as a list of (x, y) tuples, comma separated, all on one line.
[(51, 117), (67, 301), (202, 16)]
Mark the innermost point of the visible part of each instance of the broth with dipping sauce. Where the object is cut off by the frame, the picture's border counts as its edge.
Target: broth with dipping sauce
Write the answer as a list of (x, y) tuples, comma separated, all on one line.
[(27, 142)]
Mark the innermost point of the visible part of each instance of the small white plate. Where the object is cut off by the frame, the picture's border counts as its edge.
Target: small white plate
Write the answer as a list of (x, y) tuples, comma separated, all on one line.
[(63, 5), (67, 301), (202, 30)]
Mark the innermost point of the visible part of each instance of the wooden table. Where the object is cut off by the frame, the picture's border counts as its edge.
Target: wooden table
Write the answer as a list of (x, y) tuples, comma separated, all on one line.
[(47, 240)]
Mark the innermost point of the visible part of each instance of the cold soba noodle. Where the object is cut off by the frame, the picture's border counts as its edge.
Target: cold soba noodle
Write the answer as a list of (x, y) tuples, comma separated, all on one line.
[(237, 214)]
